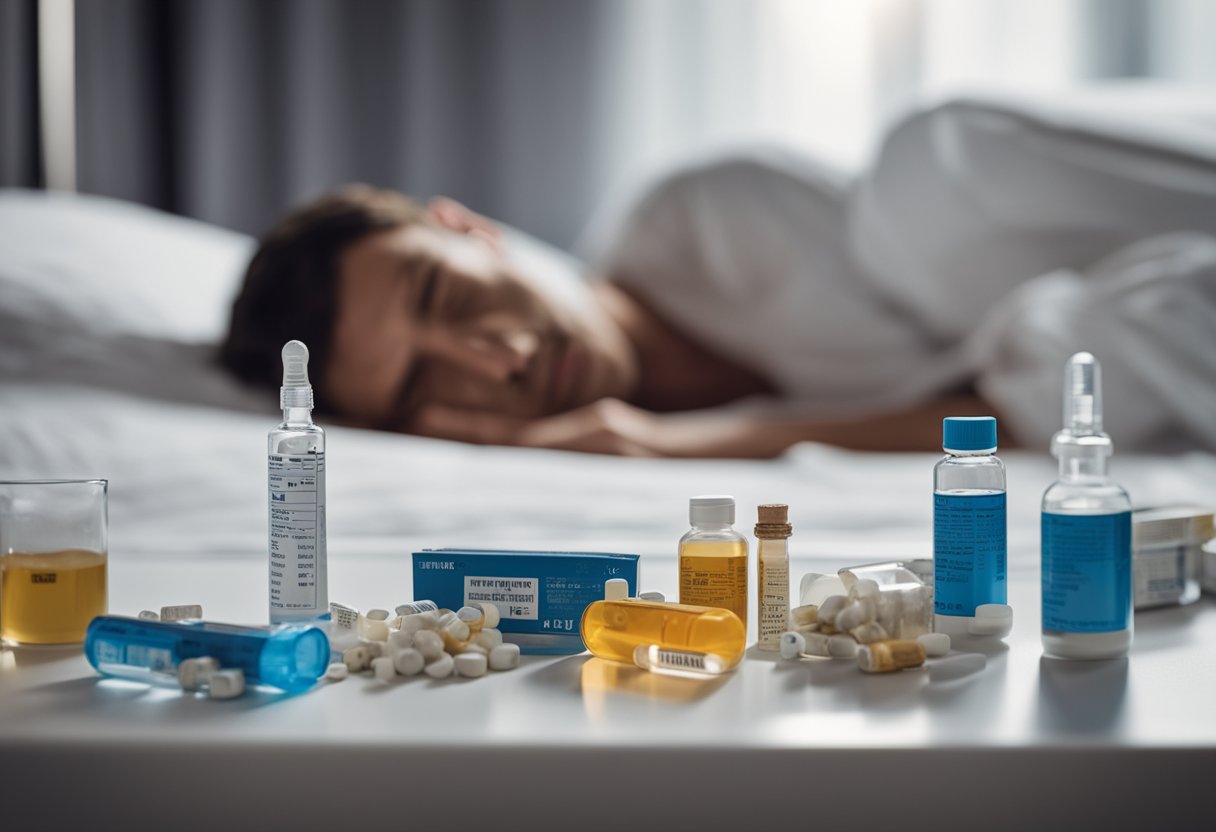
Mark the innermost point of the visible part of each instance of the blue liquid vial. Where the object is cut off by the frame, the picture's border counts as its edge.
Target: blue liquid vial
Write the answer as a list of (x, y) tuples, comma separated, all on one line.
[(1086, 532), (969, 539)]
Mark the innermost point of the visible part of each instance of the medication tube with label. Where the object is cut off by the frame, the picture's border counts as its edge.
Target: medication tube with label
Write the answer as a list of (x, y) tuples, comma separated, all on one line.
[(664, 637), (290, 657), (1086, 532), (773, 531), (295, 463)]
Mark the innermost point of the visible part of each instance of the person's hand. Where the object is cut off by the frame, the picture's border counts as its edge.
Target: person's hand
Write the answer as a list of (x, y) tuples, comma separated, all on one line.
[(608, 426)]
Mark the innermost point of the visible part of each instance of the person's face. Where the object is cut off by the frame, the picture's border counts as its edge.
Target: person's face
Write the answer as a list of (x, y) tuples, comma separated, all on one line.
[(427, 315)]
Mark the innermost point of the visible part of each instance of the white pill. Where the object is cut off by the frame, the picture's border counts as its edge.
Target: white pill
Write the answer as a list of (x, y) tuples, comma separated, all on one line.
[(445, 616), (831, 606), (181, 612), (375, 649), (504, 657), (616, 589), (336, 672), (442, 667), (471, 664), (377, 615), (817, 644), (935, 644), (991, 620), (869, 633), (489, 638), (956, 667), (192, 674), (861, 611), (408, 662), (356, 659), (474, 647), (491, 613), (792, 645), (400, 640), (429, 644), (455, 632), (994, 611), (866, 588), (383, 669), (148, 615), (375, 630), (842, 646), (656, 597), (470, 615), (226, 684)]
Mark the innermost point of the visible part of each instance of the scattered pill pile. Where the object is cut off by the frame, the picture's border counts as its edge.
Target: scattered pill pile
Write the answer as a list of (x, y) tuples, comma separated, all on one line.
[(419, 639), (847, 627)]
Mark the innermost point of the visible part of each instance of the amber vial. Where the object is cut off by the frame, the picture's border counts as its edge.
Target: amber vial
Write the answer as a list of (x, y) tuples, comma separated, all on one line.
[(713, 557), (615, 629)]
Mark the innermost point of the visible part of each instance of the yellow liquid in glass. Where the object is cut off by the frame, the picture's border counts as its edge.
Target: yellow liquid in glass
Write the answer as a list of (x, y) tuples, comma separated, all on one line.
[(614, 629), (713, 573), (50, 597)]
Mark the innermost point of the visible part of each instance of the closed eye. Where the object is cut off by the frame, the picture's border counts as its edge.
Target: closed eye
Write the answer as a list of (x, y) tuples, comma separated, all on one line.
[(428, 290)]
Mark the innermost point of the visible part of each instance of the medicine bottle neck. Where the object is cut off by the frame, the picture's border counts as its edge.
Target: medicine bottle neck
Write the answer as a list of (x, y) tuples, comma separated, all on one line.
[(1083, 459), (297, 416), (709, 526)]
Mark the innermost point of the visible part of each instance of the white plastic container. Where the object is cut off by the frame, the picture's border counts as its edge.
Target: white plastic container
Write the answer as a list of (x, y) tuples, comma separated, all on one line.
[(1167, 554)]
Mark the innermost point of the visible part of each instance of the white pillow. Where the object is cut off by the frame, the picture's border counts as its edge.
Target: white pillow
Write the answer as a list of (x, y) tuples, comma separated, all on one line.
[(107, 267)]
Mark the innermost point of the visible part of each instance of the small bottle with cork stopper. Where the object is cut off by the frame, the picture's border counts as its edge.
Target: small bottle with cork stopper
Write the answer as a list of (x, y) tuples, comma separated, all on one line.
[(773, 530)]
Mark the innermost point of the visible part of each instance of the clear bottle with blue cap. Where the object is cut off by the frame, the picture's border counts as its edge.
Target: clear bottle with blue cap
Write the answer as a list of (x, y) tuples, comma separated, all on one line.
[(1086, 532), (969, 532)]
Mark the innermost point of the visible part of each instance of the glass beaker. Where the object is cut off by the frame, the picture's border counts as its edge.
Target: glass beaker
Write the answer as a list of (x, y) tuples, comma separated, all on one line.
[(52, 559)]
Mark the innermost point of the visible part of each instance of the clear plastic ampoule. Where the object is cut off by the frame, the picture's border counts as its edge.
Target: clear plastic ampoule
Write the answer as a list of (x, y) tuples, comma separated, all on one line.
[(295, 464), (713, 557), (773, 531), (1086, 532)]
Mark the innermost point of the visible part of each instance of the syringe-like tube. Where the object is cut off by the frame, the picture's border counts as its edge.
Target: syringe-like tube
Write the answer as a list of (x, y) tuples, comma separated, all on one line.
[(1083, 395), (296, 390)]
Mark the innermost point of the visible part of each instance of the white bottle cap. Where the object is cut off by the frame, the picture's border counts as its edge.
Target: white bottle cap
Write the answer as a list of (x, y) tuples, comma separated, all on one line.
[(296, 390), (716, 509), (616, 589)]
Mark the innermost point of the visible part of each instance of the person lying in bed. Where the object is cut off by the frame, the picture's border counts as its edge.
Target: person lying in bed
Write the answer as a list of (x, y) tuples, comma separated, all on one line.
[(747, 304)]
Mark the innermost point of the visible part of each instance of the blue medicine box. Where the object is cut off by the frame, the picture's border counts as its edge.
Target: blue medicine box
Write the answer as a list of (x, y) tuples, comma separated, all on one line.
[(540, 595)]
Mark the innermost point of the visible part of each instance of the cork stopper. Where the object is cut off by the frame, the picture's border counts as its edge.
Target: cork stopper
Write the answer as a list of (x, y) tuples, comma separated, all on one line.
[(773, 521)]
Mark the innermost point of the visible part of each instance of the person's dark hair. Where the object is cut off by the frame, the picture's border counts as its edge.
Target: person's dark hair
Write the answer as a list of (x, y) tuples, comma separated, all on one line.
[(290, 287)]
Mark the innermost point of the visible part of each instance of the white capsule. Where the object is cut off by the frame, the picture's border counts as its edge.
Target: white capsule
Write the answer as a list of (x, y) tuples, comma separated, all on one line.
[(616, 589), (489, 638), (504, 657), (491, 613), (831, 606), (383, 669), (377, 615), (817, 644), (856, 613), (148, 615), (455, 632), (416, 622), (869, 633), (446, 618), (656, 597), (471, 664), (375, 649), (408, 662), (429, 644), (474, 647), (226, 684), (842, 647), (956, 667), (472, 616), (336, 672), (193, 674), (181, 612), (866, 588), (792, 645), (442, 667), (357, 659), (935, 644)]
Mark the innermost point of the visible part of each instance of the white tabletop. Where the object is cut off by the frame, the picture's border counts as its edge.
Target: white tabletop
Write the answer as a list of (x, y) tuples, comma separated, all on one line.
[(560, 731)]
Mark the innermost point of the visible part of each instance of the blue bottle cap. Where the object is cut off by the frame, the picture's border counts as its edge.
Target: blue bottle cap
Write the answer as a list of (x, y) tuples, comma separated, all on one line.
[(968, 433), (294, 658)]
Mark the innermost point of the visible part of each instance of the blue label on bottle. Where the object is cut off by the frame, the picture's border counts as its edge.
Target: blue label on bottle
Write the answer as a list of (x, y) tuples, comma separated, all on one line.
[(1087, 572), (968, 552)]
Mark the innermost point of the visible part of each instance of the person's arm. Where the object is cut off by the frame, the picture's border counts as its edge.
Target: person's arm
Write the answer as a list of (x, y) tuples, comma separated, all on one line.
[(613, 427)]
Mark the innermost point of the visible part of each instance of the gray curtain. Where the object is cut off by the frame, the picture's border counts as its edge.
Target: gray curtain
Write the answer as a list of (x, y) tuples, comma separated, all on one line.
[(20, 149), (234, 110)]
